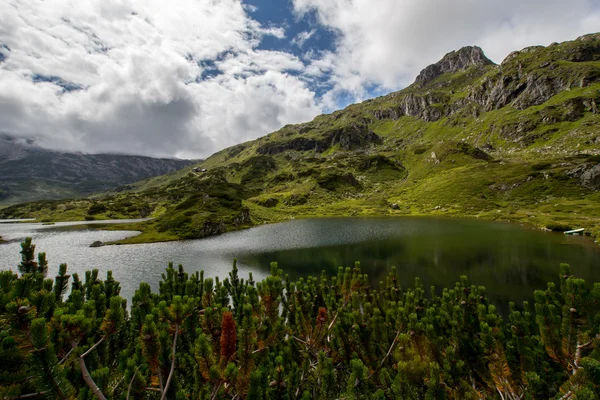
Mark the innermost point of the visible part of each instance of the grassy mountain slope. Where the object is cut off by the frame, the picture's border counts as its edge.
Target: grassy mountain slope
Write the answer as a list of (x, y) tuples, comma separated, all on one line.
[(517, 141)]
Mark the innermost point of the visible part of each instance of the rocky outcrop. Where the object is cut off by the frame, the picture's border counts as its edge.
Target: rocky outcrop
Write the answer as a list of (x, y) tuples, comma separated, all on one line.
[(212, 228), (472, 151), (591, 178), (423, 107), (297, 144), (333, 181), (523, 91), (533, 75), (588, 175), (243, 218), (378, 162), (453, 62), (526, 78), (351, 137), (429, 108), (585, 48)]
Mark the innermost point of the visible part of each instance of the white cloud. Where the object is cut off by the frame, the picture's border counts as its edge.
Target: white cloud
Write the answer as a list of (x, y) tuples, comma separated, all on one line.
[(136, 76), (302, 37), (250, 7), (387, 42), (136, 64), (237, 108)]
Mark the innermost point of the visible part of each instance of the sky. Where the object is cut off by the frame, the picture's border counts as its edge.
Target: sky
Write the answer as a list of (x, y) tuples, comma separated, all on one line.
[(187, 78)]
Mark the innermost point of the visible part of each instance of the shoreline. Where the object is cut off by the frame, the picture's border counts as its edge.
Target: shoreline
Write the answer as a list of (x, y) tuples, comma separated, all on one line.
[(148, 235), (261, 216)]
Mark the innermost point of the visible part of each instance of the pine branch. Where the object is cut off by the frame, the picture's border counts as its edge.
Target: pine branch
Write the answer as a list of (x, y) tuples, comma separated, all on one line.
[(85, 373), (164, 394), (116, 385), (160, 379), (66, 356), (390, 350), (215, 391), (567, 395), (93, 347), (298, 339), (131, 382), (333, 320), (28, 396), (578, 354)]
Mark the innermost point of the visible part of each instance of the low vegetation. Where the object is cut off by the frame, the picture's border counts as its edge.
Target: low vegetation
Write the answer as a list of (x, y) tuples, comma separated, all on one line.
[(316, 338)]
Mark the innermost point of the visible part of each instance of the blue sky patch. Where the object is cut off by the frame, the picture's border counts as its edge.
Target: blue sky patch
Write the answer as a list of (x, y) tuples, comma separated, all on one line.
[(58, 81)]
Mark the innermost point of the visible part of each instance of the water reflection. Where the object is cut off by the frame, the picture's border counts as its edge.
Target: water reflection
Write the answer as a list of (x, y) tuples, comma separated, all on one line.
[(511, 261)]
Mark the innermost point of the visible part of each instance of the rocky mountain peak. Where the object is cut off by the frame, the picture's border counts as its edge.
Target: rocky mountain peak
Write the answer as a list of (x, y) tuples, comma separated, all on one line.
[(454, 61)]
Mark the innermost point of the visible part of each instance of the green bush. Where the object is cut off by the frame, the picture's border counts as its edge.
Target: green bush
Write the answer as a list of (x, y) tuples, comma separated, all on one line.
[(420, 150), (558, 227), (320, 337), (540, 166), (173, 223), (96, 208), (594, 159)]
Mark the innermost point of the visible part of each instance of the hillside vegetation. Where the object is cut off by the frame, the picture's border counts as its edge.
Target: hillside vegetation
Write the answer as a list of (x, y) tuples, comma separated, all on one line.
[(517, 141)]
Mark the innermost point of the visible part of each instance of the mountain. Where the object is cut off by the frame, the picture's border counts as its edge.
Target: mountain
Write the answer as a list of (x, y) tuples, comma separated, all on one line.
[(31, 173), (518, 141)]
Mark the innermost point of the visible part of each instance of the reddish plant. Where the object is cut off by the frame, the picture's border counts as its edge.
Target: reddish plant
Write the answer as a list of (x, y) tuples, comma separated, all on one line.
[(228, 336)]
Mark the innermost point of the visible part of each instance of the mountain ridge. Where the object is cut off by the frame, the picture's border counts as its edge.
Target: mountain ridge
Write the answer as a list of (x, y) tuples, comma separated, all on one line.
[(516, 141), (453, 62), (30, 172)]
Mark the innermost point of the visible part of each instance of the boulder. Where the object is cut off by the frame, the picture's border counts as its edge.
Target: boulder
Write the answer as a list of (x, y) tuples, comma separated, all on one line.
[(591, 178)]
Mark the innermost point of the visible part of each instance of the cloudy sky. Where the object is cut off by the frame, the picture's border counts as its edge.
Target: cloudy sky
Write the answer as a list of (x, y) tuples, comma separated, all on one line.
[(186, 78)]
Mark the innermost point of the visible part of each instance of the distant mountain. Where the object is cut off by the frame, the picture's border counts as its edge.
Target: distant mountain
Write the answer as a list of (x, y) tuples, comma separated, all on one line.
[(29, 172), (517, 141)]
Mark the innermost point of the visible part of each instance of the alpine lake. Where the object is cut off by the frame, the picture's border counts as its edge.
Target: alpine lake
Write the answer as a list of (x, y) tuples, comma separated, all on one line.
[(510, 260)]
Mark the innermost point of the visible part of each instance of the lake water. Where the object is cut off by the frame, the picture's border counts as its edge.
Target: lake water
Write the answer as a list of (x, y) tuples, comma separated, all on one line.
[(510, 260)]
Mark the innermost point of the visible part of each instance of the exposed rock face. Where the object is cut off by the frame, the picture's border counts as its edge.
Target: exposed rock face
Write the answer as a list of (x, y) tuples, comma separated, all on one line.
[(591, 178), (212, 228), (412, 105), (353, 137), (586, 48), (297, 144), (350, 137), (533, 75), (453, 62), (243, 218), (422, 107), (334, 181), (523, 91), (526, 78)]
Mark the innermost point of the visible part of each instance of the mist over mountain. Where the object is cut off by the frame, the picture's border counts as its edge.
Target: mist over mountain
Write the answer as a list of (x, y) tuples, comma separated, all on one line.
[(29, 172)]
